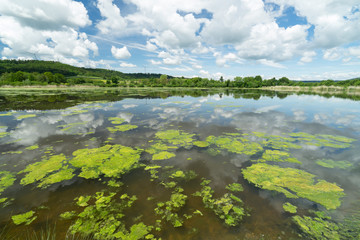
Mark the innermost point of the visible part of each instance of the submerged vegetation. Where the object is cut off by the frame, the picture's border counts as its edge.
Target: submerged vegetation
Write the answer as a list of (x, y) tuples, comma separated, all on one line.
[(115, 177), (294, 183)]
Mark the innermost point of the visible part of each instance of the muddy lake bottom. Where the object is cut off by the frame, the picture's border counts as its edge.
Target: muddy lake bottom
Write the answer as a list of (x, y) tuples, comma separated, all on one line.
[(178, 164)]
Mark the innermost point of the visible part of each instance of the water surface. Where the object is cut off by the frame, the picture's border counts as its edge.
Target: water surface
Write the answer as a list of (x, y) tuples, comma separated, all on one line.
[(220, 134)]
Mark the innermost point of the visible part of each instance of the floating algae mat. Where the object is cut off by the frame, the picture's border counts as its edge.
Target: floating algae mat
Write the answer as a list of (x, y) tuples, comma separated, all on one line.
[(178, 164)]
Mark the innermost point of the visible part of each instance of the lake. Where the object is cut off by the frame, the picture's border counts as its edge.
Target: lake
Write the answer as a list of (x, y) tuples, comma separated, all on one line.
[(178, 164)]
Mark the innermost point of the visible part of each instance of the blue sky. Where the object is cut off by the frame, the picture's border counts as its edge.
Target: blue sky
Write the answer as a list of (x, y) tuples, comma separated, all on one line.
[(302, 40)]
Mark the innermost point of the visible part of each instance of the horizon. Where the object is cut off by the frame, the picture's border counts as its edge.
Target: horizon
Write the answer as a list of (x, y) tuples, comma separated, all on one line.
[(208, 39)]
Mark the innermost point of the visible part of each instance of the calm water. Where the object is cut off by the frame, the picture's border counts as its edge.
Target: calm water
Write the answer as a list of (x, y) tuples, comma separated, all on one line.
[(36, 125)]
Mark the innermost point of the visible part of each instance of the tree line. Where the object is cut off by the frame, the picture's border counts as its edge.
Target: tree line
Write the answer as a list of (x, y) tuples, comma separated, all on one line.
[(20, 73)]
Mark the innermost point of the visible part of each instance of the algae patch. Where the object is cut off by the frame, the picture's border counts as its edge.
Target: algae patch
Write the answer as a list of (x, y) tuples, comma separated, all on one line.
[(48, 171), (176, 137), (294, 183), (25, 218), (109, 160), (329, 163), (288, 207), (6, 180)]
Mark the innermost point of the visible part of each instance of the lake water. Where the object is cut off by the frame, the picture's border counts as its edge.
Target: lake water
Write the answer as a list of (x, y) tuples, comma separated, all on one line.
[(87, 153)]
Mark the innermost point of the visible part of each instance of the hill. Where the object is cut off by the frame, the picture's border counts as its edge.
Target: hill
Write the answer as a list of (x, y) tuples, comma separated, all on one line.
[(32, 66)]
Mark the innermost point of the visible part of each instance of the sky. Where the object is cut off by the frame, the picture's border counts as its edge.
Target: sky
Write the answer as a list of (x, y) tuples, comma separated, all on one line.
[(301, 40)]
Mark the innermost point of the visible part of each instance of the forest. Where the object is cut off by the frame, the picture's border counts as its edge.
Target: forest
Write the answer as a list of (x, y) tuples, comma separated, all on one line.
[(34, 72)]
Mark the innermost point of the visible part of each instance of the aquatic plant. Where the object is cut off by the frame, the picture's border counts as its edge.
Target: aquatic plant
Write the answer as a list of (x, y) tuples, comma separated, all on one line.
[(277, 156), (103, 218), (116, 120), (122, 128), (68, 215), (329, 163), (109, 160), (168, 210), (176, 137), (7, 179), (229, 208), (288, 207), (33, 147), (47, 171), (26, 218), (235, 144), (294, 183), (25, 116), (4, 134), (323, 140), (201, 144), (235, 187), (70, 126), (317, 227), (163, 155)]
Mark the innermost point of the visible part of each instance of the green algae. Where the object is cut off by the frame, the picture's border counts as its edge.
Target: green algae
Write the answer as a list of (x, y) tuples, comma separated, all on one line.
[(329, 163), (109, 160), (64, 174), (323, 140), (68, 127), (82, 201), (25, 116), (103, 218), (46, 171), (25, 218), (7, 114), (317, 228), (68, 215), (75, 112), (4, 134), (235, 144), (169, 210), (116, 120), (7, 179), (176, 137), (122, 128), (294, 183), (288, 207), (159, 151), (201, 144), (12, 152), (228, 207), (163, 155), (33, 147), (235, 187), (277, 156)]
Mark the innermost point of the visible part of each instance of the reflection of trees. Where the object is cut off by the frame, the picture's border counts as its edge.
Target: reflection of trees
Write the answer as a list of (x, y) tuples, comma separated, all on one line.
[(59, 99)]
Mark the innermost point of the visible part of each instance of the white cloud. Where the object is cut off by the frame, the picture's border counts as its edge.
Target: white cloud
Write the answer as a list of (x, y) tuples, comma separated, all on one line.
[(154, 62), (271, 63), (47, 29), (308, 56), (46, 15), (127, 65), (120, 53), (113, 23)]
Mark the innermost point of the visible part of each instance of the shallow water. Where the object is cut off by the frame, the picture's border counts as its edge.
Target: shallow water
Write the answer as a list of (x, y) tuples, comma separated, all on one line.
[(36, 125)]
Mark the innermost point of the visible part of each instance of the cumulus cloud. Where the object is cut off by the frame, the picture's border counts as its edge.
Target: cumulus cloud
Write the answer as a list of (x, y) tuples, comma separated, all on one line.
[(113, 23), (48, 29), (120, 53), (127, 65)]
